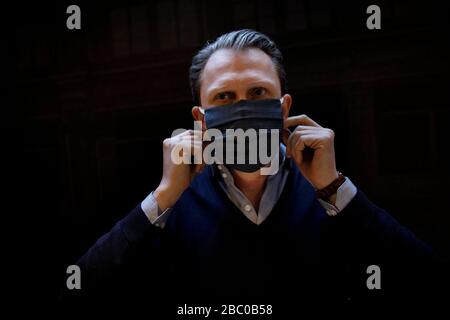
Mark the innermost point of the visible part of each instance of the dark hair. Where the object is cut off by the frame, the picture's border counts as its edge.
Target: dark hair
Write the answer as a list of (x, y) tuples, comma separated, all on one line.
[(239, 39)]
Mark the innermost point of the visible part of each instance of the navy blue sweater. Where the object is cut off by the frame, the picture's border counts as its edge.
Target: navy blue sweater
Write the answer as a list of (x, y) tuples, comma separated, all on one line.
[(210, 250)]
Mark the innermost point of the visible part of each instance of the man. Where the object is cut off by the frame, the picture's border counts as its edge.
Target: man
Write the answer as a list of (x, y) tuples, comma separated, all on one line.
[(221, 232)]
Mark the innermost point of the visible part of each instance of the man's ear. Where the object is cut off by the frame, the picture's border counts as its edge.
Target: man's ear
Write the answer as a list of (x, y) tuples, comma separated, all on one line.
[(198, 116), (286, 105)]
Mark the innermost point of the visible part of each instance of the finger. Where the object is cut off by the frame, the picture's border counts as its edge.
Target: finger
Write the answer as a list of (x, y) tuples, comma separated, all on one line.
[(300, 120), (308, 128), (190, 138), (197, 148), (190, 152), (194, 136), (285, 133), (317, 140), (291, 142), (297, 149), (190, 134), (307, 132), (288, 145), (192, 146), (186, 133)]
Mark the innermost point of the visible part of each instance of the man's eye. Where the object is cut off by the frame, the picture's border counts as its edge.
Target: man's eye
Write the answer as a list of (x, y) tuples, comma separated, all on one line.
[(258, 92), (223, 96)]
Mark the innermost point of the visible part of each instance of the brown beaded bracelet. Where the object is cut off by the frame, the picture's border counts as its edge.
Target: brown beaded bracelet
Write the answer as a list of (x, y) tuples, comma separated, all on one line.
[(329, 190)]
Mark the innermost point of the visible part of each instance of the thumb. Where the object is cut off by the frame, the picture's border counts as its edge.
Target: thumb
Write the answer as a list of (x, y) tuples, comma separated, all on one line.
[(285, 135)]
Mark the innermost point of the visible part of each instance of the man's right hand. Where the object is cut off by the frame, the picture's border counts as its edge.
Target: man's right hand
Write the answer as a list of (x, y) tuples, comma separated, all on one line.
[(177, 177)]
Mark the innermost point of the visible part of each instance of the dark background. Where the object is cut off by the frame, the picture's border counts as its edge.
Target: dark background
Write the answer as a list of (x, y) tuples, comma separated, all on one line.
[(95, 104)]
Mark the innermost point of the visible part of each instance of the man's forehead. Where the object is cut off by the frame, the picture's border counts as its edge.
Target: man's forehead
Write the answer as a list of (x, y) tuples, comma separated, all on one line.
[(232, 60)]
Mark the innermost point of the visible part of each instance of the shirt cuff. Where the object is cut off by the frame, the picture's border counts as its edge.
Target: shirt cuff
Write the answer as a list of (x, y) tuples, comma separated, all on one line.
[(153, 212), (345, 193)]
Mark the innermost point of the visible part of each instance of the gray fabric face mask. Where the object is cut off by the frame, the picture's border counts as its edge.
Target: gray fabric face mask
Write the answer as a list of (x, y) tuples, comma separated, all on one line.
[(247, 114)]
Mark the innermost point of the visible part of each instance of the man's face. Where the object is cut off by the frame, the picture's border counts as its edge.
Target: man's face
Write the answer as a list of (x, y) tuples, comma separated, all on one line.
[(231, 75)]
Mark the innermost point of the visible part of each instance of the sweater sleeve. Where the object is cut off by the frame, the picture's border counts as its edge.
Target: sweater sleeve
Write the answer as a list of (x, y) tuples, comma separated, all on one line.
[(362, 218), (367, 235), (114, 251)]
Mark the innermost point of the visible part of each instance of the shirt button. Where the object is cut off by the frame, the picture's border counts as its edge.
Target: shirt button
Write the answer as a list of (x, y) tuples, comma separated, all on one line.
[(224, 175), (247, 207), (331, 212), (157, 225)]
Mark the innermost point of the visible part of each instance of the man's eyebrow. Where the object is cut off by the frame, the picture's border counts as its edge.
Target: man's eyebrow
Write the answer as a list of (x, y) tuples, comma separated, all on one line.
[(226, 88), (217, 89), (262, 83)]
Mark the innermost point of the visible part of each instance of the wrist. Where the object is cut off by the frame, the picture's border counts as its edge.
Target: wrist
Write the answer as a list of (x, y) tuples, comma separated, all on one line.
[(325, 182), (163, 197), (329, 192)]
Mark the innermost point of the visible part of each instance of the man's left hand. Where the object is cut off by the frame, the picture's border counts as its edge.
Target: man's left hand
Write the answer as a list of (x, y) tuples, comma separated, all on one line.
[(312, 148)]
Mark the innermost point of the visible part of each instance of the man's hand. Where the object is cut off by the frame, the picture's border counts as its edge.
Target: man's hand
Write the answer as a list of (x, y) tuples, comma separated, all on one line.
[(312, 148), (177, 177)]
